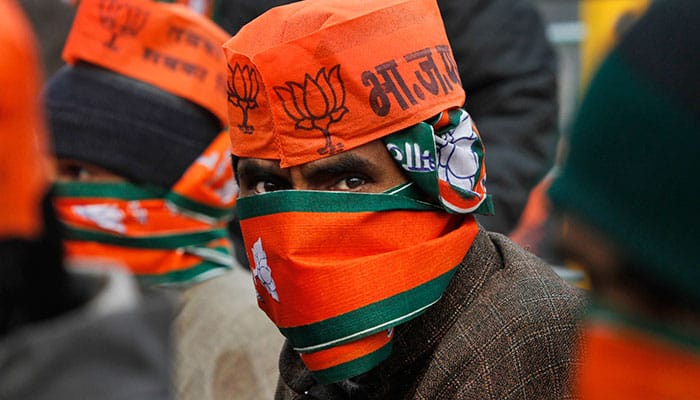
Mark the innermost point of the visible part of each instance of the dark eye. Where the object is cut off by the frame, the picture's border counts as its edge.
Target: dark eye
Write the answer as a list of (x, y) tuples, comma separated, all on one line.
[(349, 183), (268, 186)]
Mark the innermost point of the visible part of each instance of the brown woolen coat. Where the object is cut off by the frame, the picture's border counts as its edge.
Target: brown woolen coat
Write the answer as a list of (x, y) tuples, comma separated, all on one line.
[(505, 328)]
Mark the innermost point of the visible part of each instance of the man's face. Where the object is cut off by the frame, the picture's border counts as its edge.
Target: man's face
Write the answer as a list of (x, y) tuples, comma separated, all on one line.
[(366, 169)]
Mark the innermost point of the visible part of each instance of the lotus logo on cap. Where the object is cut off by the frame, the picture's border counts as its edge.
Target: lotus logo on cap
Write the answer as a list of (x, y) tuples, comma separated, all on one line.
[(121, 19), (316, 104), (243, 91)]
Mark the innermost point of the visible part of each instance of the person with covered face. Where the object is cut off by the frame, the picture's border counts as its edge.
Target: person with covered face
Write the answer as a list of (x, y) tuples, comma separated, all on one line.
[(629, 199), (144, 178), (66, 331), (359, 179)]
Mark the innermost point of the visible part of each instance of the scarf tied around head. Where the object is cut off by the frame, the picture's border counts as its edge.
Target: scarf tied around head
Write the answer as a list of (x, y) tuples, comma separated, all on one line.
[(337, 271)]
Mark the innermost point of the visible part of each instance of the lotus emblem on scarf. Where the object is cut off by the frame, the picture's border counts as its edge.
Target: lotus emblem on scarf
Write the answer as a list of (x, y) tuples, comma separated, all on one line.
[(243, 91), (106, 216), (458, 163), (121, 19), (262, 271), (316, 104)]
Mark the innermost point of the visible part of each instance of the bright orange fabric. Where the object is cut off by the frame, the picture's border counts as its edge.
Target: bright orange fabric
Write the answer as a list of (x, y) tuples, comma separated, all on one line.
[(209, 180), (328, 358), (165, 45), (138, 261), (23, 153), (623, 364), (310, 79), (368, 258)]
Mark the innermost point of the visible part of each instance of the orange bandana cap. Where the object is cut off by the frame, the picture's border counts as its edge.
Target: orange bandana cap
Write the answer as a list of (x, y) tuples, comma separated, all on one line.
[(166, 45), (313, 78), (23, 149)]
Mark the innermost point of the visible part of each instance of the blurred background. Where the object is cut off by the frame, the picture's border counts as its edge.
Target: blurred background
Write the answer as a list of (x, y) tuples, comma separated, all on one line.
[(580, 30)]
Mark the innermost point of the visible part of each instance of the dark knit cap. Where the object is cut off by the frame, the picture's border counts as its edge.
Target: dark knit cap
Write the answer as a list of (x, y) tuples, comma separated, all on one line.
[(128, 127), (634, 161)]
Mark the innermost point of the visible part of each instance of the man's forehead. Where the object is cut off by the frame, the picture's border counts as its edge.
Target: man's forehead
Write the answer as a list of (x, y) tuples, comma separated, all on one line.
[(370, 155)]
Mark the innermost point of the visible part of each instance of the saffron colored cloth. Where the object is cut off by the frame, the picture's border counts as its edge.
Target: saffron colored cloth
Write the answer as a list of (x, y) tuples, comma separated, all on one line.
[(351, 72), (23, 151), (166, 45), (505, 328), (627, 358), (337, 303), (163, 237)]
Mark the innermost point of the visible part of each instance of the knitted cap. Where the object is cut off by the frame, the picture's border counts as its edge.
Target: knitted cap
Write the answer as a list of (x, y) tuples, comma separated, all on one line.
[(128, 127), (23, 153), (313, 78), (145, 92), (633, 166)]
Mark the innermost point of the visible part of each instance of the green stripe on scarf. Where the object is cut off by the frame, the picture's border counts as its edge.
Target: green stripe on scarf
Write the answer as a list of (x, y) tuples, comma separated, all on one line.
[(313, 202), (600, 311), (340, 372), (196, 273), (108, 190), (199, 208), (151, 242), (325, 333)]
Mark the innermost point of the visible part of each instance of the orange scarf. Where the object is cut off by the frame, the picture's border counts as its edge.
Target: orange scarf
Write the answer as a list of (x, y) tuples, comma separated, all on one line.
[(163, 237), (626, 359), (337, 303)]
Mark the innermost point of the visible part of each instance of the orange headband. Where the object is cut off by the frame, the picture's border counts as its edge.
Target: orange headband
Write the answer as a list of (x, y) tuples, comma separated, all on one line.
[(23, 152), (312, 78), (165, 45)]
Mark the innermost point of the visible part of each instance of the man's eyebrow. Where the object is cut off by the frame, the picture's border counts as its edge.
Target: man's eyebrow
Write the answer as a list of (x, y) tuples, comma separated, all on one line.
[(249, 168), (338, 165)]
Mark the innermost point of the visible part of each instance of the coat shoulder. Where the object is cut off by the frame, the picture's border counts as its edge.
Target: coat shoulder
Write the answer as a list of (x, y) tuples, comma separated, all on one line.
[(517, 338)]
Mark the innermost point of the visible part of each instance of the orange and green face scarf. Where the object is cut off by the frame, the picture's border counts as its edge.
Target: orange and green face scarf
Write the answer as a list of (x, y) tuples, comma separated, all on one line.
[(335, 271), (627, 358), (175, 236)]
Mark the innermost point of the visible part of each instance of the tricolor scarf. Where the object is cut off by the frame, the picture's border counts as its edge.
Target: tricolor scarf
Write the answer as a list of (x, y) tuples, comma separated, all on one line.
[(336, 271), (627, 358), (444, 156), (174, 236)]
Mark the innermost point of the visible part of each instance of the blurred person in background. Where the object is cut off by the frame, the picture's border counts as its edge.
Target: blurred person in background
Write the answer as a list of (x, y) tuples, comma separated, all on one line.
[(604, 23), (629, 198), (137, 119), (359, 176), (79, 333)]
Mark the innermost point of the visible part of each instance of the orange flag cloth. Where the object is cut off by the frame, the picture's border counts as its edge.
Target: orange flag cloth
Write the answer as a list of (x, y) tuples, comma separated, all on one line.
[(23, 152), (154, 43), (336, 75), (163, 237), (626, 358)]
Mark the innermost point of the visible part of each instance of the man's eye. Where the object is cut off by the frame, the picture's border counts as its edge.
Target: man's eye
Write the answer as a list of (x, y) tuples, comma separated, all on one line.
[(267, 186), (349, 183)]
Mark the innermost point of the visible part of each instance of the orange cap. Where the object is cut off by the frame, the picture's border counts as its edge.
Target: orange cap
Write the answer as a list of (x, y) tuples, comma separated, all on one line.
[(313, 78), (166, 45), (23, 153)]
